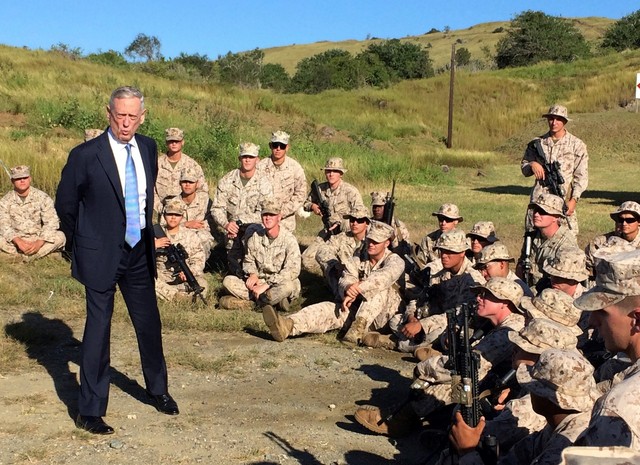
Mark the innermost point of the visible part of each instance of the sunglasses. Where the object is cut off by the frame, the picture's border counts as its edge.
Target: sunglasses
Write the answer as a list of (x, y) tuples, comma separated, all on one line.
[(357, 220), (278, 145), (627, 220), (445, 219), (539, 211)]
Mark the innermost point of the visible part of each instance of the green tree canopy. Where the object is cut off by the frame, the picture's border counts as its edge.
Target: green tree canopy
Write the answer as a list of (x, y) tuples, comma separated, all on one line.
[(274, 76), (624, 33), (333, 69), (404, 60), (534, 36), (463, 56), (242, 69), (144, 47)]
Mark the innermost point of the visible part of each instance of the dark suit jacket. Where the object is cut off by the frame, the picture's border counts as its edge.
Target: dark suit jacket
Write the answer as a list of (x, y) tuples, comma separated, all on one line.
[(90, 204)]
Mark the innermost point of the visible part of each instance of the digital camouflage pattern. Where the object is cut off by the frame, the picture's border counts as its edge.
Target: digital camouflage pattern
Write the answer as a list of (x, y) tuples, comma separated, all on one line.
[(542, 334), (613, 243), (342, 201), (543, 249), (568, 263), (168, 180), (236, 201), (450, 211), (554, 305), (333, 253), (484, 229), (599, 456)]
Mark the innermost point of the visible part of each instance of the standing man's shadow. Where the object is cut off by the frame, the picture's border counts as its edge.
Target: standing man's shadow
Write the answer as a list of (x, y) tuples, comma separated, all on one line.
[(51, 343)]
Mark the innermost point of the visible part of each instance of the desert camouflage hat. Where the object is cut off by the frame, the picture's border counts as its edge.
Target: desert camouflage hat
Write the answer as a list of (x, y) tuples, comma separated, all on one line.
[(542, 334), (557, 110), (20, 171), (271, 207), (554, 305), (249, 148), (173, 134), (335, 164), (617, 277), (562, 376), (92, 133), (380, 232), (491, 252), (551, 204), (378, 198), (358, 212), (449, 210), (174, 206), (599, 455), (568, 264), (503, 289), (626, 207), (453, 241), (485, 230), (280, 136), (188, 174)]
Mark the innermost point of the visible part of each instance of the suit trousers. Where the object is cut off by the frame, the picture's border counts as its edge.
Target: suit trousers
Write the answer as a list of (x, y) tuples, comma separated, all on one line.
[(137, 286)]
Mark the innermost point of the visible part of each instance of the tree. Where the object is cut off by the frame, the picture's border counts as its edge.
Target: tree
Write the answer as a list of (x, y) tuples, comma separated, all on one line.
[(404, 60), (463, 56), (145, 47), (242, 69), (67, 51), (274, 76), (198, 63), (110, 58), (534, 36), (624, 33), (333, 69)]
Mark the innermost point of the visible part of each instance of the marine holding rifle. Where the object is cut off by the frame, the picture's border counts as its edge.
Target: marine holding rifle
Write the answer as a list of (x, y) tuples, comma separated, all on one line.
[(380, 203), (559, 149)]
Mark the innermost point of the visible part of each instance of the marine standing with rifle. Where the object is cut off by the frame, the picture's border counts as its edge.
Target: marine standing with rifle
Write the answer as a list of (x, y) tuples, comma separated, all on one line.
[(557, 156)]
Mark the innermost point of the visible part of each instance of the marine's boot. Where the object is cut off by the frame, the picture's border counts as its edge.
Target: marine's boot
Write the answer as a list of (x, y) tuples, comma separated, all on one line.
[(400, 425), (423, 353), (377, 340), (279, 326), (230, 302), (356, 331)]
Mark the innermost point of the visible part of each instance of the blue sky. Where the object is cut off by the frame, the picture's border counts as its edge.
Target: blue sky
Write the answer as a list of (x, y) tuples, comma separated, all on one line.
[(212, 28)]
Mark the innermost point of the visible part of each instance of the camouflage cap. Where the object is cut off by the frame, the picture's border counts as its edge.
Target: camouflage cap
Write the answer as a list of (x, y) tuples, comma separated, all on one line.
[(272, 207), (280, 136), (173, 134), (453, 241), (378, 198), (449, 210), (249, 148), (617, 277), (492, 252), (554, 305), (626, 207), (92, 133), (542, 334), (503, 289), (188, 174), (562, 376), (380, 232), (335, 164), (174, 206), (20, 171), (599, 455), (358, 212), (557, 110), (551, 204), (485, 230), (568, 264)]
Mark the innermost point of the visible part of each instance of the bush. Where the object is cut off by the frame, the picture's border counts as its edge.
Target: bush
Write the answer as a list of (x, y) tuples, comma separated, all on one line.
[(196, 63), (274, 76), (242, 69), (624, 33), (333, 69), (404, 60), (109, 58), (534, 36), (463, 57)]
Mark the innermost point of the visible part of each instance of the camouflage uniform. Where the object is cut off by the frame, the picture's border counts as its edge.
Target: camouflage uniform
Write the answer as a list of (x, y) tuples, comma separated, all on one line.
[(426, 253), (543, 249), (275, 261), (572, 155), (32, 217), (614, 455), (401, 244)]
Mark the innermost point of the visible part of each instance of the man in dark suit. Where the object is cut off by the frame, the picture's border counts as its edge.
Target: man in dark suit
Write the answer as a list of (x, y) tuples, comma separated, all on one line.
[(105, 203)]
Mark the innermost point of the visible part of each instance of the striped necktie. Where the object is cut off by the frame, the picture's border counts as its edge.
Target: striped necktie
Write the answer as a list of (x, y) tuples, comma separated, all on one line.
[(131, 201)]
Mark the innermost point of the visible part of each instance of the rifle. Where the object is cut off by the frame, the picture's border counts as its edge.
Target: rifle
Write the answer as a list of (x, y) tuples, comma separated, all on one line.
[(389, 206), (324, 209), (525, 258), (553, 179), (176, 254)]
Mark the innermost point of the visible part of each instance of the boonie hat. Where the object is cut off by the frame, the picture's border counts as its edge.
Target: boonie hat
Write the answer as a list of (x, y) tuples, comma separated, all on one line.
[(551, 204), (174, 206), (335, 164), (380, 232), (557, 110), (543, 334), (491, 252), (280, 136), (599, 455), (20, 171), (449, 210), (357, 213), (249, 148), (485, 230), (271, 207), (453, 241), (378, 198), (503, 289), (188, 174), (173, 134), (568, 264), (554, 305), (626, 207)]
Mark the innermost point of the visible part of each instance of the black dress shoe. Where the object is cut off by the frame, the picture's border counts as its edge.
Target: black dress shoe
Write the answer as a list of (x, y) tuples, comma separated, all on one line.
[(164, 403), (95, 425)]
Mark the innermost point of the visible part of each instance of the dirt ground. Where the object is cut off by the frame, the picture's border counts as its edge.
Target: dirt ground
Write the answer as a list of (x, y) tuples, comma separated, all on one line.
[(244, 399)]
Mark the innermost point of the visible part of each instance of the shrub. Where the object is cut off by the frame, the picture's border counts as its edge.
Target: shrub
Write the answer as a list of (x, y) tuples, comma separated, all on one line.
[(109, 58), (403, 59), (624, 33), (242, 69), (274, 76)]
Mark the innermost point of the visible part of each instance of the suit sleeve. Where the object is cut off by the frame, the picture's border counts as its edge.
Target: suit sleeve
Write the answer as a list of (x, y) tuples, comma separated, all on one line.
[(68, 197)]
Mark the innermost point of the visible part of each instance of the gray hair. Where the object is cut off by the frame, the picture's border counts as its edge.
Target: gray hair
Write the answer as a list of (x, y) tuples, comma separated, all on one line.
[(126, 92)]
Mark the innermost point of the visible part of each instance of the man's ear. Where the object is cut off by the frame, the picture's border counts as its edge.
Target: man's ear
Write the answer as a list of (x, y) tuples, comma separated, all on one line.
[(635, 315)]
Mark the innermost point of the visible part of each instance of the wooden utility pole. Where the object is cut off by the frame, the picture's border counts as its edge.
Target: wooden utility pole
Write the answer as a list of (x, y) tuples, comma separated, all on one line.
[(451, 82)]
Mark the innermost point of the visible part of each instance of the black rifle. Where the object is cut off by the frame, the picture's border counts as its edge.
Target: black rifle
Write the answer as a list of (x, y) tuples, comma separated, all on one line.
[(177, 255), (389, 206), (553, 179), (317, 197), (525, 258)]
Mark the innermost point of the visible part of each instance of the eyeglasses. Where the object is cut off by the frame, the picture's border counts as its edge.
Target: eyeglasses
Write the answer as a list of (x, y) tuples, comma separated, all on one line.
[(278, 145), (539, 211), (631, 220), (357, 220), (444, 219)]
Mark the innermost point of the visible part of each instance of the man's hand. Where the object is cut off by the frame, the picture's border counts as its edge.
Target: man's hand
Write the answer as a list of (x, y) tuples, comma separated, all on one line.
[(195, 224), (571, 207), (538, 170), (411, 328), (259, 289), (251, 281), (28, 247), (463, 437), (161, 242), (353, 291), (232, 229), (315, 208)]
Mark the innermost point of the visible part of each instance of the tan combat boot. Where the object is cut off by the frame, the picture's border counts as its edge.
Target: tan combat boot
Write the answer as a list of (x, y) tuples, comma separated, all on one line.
[(279, 326), (377, 340), (230, 302), (423, 353), (401, 424), (356, 330)]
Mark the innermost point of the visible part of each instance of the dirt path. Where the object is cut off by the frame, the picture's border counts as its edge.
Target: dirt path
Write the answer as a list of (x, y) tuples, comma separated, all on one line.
[(244, 399)]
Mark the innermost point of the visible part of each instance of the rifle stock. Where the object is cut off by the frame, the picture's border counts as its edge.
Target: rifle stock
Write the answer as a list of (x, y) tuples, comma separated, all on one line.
[(325, 213), (389, 205), (553, 179)]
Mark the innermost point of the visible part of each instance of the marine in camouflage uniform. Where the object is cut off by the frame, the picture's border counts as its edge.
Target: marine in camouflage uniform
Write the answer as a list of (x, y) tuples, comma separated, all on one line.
[(370, 290), (614, 306), (482, 234), (170, 168), (426, 254), (401, 244), (28, 216), (236, 207), (333, 253), (271, 265), (287, 178), (625, 229), (493, 262), (171, 282), (341, 198), (560, 146)]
